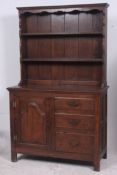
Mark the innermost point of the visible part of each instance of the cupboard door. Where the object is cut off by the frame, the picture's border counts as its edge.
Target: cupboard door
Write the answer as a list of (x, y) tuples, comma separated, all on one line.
[(33, 121)]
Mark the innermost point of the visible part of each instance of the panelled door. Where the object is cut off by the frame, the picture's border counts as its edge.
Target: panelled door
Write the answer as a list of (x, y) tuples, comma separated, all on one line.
[(33, 120)]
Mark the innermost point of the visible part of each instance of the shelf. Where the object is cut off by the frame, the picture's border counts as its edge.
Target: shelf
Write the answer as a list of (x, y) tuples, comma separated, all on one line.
[(93, 34), (93, 60)]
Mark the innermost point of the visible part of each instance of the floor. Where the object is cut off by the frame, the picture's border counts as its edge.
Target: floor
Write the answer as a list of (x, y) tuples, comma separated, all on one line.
[(35, 166)]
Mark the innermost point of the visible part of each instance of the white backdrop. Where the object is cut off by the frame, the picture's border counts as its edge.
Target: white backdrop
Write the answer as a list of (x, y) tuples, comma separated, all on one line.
[(9, 57)]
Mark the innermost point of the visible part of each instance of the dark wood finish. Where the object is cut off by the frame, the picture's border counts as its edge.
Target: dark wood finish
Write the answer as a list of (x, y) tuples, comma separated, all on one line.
[(93, 34), (81, 105), (59, 108), (28, 60), (76, 143), (32, 120), (75, 122)]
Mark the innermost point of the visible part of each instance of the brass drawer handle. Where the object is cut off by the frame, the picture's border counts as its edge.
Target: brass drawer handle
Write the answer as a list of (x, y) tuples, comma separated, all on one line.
[(74, 122), (73, 103), (74, 143)]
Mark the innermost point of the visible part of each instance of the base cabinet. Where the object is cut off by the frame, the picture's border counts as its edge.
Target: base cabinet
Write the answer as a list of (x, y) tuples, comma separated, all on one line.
[(59, 125)]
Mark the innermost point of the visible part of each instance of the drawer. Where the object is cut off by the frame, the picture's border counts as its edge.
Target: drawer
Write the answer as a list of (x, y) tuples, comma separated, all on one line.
[(75, 122), (74, 143), (75, 105)]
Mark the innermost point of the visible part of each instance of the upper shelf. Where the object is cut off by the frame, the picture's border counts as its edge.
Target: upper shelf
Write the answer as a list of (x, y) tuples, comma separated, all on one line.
[(81, 60), (63, 34)]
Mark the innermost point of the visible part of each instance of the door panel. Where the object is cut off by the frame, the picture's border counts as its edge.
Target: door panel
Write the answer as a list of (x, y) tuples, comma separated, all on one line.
[(33, 120), (33, 124)]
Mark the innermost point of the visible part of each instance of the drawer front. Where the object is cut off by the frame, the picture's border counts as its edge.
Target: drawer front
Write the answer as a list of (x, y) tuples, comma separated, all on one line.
[(75, 122), (74, 143), (83, 106)]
